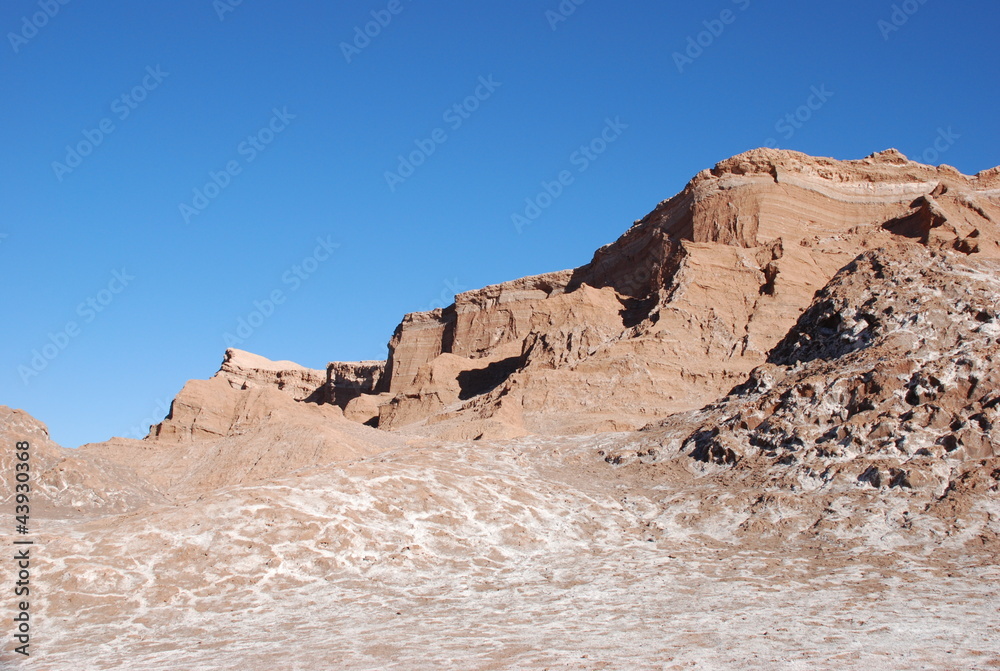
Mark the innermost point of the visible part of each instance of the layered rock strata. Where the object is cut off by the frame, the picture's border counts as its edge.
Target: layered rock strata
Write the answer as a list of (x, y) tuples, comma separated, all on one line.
[(681, 307)]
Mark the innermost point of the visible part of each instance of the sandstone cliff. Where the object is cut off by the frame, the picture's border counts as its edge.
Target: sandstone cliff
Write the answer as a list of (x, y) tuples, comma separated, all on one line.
[(665, 319), (680, 308), (345, 381), (243, 370), (668, 318), (341, 382), (878, 413), (255, 419)]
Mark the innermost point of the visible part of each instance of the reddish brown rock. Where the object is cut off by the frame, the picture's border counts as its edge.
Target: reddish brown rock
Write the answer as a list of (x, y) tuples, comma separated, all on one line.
[(243, 370), (255, 419), (692, 297), (346, 381)]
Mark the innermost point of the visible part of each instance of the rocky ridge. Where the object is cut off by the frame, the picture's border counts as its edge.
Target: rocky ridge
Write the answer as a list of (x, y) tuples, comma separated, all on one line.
[(666, 319), (682, 306), (877, 415)]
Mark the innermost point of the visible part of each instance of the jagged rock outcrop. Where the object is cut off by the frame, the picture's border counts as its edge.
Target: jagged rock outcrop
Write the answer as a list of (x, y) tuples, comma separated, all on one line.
[(683, 306), (680, 309), (243, 370), (891, 371), (345, 381), (253, 420), (887, 382), (488, 322), (665, 319), (341, 382)]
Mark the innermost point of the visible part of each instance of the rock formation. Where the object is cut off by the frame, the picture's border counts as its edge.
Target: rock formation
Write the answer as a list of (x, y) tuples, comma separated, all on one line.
[(672, 315), (888, 379), (243, 370), (254, 420), (665, 319), (345, 381), (681, 307)]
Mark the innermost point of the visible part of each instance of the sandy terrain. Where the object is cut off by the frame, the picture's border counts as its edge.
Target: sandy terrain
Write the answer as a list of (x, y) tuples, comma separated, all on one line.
[(478, 556)]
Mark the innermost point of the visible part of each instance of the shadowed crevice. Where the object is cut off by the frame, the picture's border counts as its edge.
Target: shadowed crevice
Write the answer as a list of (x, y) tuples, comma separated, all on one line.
[(479, 381)]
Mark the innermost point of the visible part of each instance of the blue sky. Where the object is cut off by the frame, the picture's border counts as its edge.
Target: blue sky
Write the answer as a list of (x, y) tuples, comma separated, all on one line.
[(124, 295)]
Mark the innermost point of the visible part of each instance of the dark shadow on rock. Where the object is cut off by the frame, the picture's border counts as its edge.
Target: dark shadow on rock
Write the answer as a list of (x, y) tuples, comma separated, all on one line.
[(476, 382)]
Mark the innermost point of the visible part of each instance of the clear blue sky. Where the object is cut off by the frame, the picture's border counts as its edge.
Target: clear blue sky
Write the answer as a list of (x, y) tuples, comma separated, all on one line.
[(446, 227)]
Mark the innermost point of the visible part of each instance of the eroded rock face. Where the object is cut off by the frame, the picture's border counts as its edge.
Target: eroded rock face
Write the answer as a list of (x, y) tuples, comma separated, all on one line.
[(684, 305), (488, 322), (346, 381), (217, 435), (243, 370), (888, 380), (255, 419), (669, 317), (341, 382), (665, 319)]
